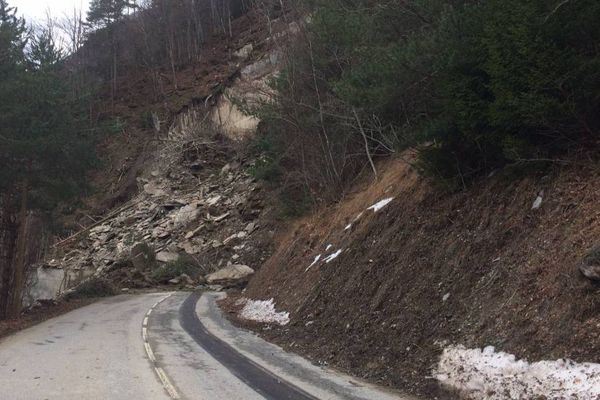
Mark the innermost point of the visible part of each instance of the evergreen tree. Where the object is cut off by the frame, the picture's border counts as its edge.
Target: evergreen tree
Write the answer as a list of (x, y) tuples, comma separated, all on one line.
[(46, 144), (103, 13)]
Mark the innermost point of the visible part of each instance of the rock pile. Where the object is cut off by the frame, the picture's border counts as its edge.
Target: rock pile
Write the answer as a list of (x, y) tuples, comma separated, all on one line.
[(211, 218)]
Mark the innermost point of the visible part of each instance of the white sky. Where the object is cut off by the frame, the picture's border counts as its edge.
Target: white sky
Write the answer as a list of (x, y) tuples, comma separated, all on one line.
[(36, 9)]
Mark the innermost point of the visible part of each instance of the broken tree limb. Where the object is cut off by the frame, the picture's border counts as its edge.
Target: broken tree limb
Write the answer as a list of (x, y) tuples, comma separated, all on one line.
[(362, 131), (100, 222)]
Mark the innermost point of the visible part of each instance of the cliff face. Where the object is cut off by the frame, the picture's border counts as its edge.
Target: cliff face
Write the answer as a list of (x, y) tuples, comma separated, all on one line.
[(381, 283)]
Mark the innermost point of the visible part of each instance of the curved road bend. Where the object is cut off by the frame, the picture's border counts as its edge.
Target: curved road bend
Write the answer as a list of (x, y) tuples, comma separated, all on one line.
[(160, 347)]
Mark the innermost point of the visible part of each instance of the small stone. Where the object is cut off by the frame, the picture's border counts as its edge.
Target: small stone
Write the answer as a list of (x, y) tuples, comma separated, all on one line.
[(213, 200), (153, 190), (251, 227)]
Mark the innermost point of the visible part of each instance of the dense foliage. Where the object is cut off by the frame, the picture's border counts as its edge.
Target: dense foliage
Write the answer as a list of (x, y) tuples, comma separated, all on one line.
[(474, 85), (45, 140)]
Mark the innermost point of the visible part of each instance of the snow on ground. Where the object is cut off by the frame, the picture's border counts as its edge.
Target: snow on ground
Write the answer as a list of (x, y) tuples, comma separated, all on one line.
[(317, 258), (353, 221), (380, 204), (332, 257), (487, 374), (263, 311), (328, 247)]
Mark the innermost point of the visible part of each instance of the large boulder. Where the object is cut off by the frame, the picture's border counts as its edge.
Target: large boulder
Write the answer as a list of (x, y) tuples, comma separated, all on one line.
[(167, 257), (232, 275), (142, 256), (590, 265)]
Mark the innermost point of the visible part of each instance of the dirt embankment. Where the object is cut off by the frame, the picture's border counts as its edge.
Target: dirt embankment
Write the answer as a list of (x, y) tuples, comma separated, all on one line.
[(477, 268)]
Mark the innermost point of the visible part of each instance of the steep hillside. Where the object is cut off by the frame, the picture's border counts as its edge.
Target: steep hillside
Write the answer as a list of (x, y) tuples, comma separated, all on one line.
[(382, 293), (176, 177)]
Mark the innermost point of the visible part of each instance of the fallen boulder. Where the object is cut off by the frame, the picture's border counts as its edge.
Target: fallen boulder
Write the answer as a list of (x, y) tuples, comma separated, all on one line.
[(166, 257), (142, 256), (590, 265), (232, 275)]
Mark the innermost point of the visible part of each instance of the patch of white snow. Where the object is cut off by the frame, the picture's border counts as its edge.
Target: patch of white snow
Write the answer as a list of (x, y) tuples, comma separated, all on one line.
[(487, 374), (317, 258), (380, 204), (328, 247), (264, 311), (332, 257)]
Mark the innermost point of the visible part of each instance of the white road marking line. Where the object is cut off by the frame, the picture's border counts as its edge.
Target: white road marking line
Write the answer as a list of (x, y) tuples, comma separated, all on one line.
[(166, 382), (150, 352)]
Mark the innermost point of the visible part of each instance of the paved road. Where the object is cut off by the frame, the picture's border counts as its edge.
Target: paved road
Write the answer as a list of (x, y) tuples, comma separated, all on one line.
[(160, 347)]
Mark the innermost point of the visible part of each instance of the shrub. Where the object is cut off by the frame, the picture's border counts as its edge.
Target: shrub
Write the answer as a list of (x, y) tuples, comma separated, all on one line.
[(474, 85), (93, 287), (184, 264)]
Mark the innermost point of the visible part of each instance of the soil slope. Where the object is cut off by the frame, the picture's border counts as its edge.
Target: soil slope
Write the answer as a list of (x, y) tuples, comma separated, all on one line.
[(477, 268)]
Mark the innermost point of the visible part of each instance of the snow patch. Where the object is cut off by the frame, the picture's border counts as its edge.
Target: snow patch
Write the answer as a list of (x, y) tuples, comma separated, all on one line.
[(328, 247), (332, 257), (380, 204), (487, 374), (353, 221), (317, 258), (264, 311)]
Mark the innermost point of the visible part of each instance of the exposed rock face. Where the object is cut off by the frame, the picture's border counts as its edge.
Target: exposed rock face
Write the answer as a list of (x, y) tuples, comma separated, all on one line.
[(231, 275)]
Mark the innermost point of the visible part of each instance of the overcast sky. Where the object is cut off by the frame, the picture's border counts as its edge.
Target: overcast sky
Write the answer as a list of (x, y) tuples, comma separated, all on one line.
[(36, 9)]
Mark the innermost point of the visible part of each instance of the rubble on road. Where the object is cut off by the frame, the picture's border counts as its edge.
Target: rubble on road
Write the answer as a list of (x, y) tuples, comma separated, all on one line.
[(213, 216)]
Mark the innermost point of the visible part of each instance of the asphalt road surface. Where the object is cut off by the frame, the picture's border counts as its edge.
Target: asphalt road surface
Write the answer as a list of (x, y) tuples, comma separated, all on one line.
[(160, 347)]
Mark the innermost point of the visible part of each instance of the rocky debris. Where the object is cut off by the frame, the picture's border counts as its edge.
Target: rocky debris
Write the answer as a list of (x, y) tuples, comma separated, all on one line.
[(232, 275), (590, 266), (211, 216), (244, 52)]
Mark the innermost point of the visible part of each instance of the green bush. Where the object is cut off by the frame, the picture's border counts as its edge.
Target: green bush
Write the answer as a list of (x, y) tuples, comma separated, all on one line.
[(93, 287), (184, 264)]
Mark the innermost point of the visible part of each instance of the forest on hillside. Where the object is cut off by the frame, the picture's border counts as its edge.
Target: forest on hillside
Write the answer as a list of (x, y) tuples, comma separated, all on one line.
[(58, 83), (473, 86)]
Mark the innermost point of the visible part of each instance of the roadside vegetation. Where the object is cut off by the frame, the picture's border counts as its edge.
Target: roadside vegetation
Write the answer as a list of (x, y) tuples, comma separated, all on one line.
[(474, 86), (46, 141), (92, 288)]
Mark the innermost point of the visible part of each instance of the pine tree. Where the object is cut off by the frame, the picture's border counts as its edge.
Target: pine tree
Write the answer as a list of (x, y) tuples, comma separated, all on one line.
[(45, 143), (12, 38), (103, 13)]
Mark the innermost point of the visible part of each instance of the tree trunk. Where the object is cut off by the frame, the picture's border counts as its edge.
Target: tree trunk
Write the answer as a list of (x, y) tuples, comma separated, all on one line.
[(20, 256), (8, 233)]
